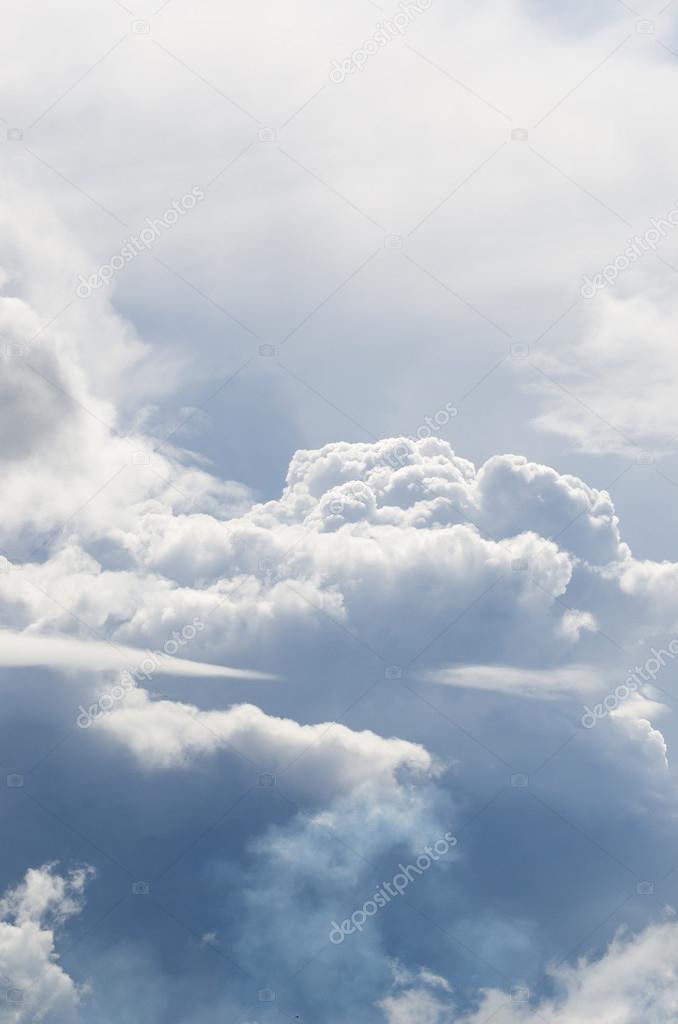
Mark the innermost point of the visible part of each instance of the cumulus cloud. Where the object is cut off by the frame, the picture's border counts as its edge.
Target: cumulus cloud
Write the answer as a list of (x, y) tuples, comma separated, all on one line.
[(357, 530), (376, 563), (165, 734), (67, 439), (385, 540), (635, 979), (33, 985)]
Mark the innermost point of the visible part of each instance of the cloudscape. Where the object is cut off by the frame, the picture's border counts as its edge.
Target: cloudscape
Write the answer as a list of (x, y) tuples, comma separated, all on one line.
[(338, 556)]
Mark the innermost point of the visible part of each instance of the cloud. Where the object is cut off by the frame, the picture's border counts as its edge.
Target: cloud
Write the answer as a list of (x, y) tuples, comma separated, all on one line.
[(507, 65), (22, 649), (320, 868), (635, 979), (521, 682), (612, 389), (164, 734), (66, 437), (357, 530), (32, 984), (377, 561)]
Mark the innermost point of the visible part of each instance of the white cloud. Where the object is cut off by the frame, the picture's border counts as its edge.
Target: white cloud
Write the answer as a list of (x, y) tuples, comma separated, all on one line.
[(71, 459), (635, 979), (522, 682), (358, 531), (512, 576), (33, 987), (21, 649), (331, 757), (613, 389)]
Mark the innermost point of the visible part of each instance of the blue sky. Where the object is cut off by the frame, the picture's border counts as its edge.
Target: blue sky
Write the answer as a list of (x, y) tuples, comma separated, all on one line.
[(338, 566)]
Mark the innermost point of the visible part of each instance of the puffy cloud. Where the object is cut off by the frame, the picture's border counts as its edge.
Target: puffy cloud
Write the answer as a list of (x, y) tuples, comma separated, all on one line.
[(358, 530), (74, 457), (635, 979), (166, 734), (511, 575), (34, 986), (517, 495), (423, 483)]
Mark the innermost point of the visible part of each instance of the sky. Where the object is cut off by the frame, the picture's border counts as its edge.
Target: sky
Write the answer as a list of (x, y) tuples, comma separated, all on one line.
[(338, 561)]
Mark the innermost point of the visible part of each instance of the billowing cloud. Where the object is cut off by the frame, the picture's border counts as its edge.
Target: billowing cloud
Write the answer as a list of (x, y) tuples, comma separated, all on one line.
[(635, 979), (32, 984), (357, 530), (372, 265), (164, 734)]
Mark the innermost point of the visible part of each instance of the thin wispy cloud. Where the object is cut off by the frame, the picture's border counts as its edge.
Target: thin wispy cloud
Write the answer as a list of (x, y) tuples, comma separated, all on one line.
[(22, 650)]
